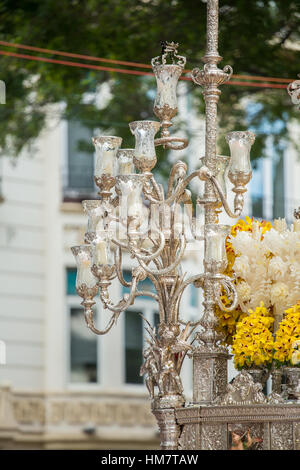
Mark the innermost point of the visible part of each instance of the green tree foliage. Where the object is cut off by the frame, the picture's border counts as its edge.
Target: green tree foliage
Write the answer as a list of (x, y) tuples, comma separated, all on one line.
[(257, 37)]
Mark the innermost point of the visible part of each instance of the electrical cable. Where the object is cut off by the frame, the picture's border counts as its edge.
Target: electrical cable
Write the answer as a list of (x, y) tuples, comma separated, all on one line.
[(127, 63), (122, 62)]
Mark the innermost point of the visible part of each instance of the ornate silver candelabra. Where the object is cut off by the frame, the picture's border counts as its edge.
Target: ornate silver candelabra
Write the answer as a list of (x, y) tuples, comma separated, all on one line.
[(135, 215)]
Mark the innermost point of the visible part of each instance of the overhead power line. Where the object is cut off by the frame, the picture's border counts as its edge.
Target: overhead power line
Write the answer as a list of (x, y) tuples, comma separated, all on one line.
[(264, 80), (73, 64), (71, 54)]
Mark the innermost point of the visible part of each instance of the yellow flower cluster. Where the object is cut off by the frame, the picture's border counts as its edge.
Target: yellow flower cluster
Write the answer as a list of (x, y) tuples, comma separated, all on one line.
[(261, 311), (287, 337), (228, 320), (253, 342)]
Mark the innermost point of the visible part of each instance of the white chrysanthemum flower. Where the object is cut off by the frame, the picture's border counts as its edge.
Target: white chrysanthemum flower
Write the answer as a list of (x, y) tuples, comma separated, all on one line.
[(261, 292), (273, 280), (279, 292), (273, 241), (277, 268), (241, 242), (241, 266), (243, 291)]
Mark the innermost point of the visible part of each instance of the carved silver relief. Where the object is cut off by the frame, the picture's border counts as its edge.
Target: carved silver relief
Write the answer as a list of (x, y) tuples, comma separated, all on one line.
[(161, 366), (296, 427), (210, 376), (213, 437), (202, 380), (242, 391), (282, 436), (189, 438)]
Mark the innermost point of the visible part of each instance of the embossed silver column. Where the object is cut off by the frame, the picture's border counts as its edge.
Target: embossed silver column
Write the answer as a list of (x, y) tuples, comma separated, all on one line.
[(210, 361), (169, 429), (209, 374)]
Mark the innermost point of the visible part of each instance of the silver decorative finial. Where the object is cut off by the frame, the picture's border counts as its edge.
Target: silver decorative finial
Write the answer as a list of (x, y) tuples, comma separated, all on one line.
[(297, 213), (294, 91)]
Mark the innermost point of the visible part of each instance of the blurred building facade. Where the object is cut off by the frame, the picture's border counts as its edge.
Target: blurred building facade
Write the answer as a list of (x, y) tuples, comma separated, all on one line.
[(61, 386)]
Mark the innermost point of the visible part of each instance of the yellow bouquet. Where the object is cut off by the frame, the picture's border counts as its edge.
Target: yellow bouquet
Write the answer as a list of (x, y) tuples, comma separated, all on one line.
[(253, 342), (287, 342)]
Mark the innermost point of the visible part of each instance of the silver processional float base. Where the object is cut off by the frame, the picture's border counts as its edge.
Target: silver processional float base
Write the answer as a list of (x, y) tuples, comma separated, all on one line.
[(240, 417)]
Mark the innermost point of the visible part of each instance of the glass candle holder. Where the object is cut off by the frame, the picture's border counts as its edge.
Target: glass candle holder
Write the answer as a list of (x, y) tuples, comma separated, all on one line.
[(240, 142), (86, 283), (215, 257), (106, 153), (125, 161), (222, 165), (165, 104), (94, 211), (130, 188), (144, 152), (101, 252)]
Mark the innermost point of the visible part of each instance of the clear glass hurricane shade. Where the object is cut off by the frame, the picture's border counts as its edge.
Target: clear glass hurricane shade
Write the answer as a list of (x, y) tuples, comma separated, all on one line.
[(83, 257), (222, 165), (116, 229), (144, 132), (106, 152), (174, 221), (240, 143), (215, 251), (167, 76), (131, 187), (94, 211), (125, 161), (101, 252)]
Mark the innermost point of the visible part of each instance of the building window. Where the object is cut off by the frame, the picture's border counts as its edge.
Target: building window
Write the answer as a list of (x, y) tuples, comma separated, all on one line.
[(145, 285), (79, 180), (83, 344), (83, 353), (135, 341), (71, 281), (257, 207), (257, 190), (133, 347), (135, 329)]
